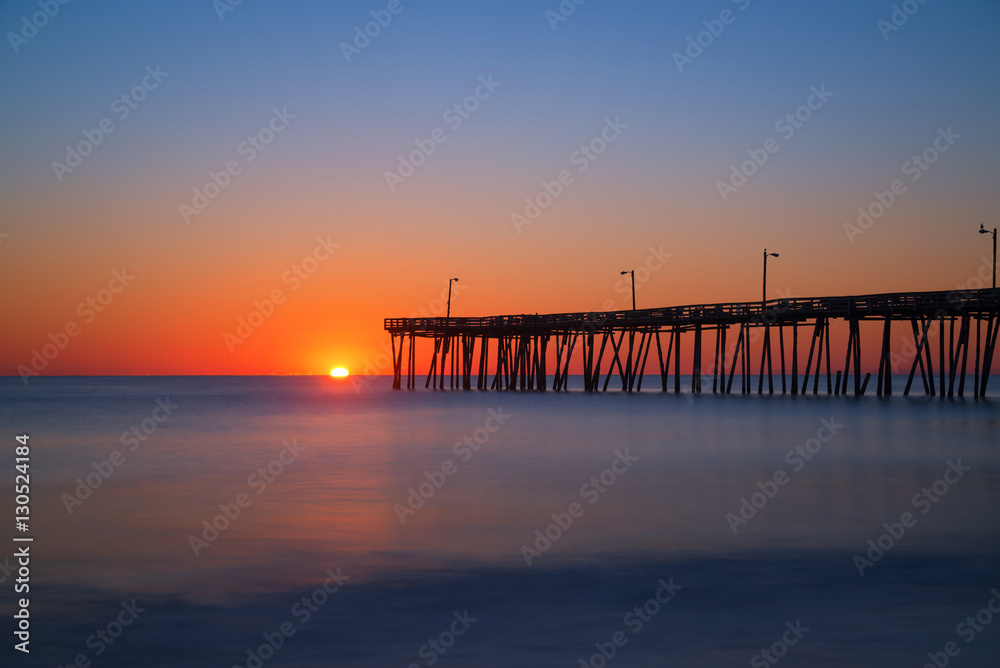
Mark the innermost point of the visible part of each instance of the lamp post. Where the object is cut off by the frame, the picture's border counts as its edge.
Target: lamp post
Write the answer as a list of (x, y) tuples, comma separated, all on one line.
[(764, 291), (631, 271), (450, 281), (983, 230)]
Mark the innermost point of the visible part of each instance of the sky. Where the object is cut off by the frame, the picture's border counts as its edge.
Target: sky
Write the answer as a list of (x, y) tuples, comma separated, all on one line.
[(185, 165)]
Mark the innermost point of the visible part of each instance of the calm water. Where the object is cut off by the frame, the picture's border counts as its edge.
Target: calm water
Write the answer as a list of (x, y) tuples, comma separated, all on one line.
[(666, 472)]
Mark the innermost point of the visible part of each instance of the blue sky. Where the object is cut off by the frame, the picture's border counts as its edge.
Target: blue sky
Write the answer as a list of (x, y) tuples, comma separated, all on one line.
[(658, 184)]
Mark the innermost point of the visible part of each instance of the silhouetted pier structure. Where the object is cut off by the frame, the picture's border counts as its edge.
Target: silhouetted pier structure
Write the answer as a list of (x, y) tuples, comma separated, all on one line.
[(518, 345)]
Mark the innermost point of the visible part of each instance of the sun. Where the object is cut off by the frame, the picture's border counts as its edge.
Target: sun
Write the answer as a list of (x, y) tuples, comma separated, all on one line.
[(340, 372)]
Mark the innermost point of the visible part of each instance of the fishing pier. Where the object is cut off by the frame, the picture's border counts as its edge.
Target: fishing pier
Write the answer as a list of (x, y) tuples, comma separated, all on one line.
[(512, 352)]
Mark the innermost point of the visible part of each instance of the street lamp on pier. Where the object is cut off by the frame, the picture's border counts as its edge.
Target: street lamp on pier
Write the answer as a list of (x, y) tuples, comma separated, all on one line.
[(983, 230), (450, 281), (631, 271), (763, 297)]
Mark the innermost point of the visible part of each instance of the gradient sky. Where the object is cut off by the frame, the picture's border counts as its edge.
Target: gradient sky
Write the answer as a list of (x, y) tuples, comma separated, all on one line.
[(324, 174)]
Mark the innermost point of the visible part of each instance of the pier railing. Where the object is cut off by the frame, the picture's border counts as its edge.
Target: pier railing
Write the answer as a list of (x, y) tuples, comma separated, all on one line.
[(892, 305)]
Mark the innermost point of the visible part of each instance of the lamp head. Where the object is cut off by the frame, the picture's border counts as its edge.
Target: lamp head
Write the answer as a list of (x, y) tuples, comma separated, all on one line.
[(454, 279), (624, 272), (982, 229)]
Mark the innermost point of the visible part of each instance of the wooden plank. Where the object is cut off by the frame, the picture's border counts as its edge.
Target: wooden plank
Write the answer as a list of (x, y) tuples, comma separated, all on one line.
[(763, 355), (432, 372), (991, 342), (963, 341), (847, 361), (677, 362), (645, 354), (560, 345), (659, 354), (929, 355), (395, 362), (858, 391), (829, 390), (953, 347), (588, 362), (781, 346), (979, 322), (887, 380), (569, 356), (696, 362), (715, 360), (597, 369), (916, 357), (621, 371), (770, 370), (736, 354), (795, 358), (941, 353), (812, 347), (630, 364)]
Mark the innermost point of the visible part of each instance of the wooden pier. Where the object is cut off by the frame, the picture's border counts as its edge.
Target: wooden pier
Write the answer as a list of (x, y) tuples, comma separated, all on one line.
[(512, 352)]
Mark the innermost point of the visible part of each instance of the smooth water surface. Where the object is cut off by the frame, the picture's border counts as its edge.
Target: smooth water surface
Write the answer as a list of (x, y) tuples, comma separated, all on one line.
[(496, 467)]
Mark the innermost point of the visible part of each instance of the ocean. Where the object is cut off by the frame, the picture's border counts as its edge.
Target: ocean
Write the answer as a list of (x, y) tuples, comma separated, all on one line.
[(311, 521)]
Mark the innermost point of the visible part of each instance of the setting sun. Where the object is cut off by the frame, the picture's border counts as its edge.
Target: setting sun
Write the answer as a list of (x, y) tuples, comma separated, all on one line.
[(339, 372)]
